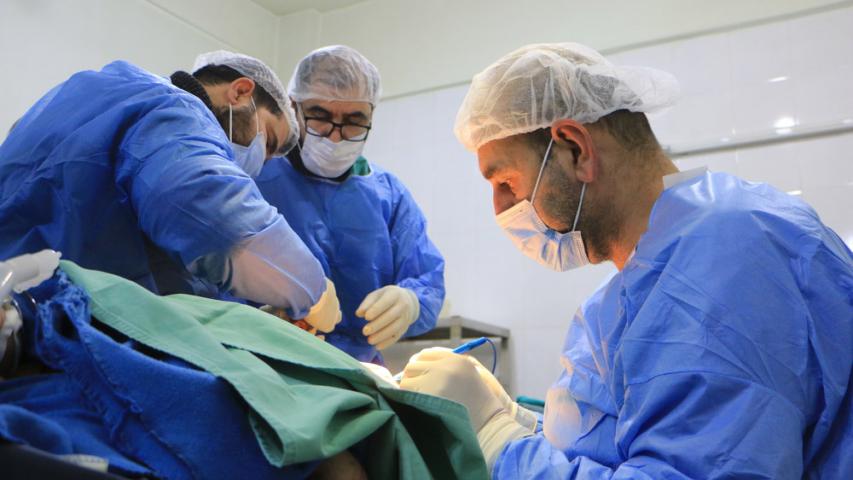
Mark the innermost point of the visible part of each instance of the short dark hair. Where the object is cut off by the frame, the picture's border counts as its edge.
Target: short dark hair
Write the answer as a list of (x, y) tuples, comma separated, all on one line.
[(630, 129), (219, 74)]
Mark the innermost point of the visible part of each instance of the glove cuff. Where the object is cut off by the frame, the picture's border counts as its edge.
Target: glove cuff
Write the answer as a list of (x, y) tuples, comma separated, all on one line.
[(416, 305), (500, 430), (524, 417)]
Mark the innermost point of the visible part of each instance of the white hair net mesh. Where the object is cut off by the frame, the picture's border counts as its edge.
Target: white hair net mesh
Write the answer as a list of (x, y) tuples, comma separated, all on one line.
[(262, 75), (534, 86), (335, 73)]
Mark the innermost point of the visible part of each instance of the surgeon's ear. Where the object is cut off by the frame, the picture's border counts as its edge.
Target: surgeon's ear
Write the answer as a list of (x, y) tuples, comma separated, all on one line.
[(572, 135), (239, 92)]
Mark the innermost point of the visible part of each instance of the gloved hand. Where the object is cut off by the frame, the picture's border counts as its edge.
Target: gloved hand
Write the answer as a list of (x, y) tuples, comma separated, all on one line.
[(381, 372), (455, 377), (523, 416), (389, 311), (326, 313)]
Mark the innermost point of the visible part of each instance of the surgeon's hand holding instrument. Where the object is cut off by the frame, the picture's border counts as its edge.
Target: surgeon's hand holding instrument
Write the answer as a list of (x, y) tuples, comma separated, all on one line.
[(522, 415), (326, 313), (323, 316), (465, 348), (439, 372)]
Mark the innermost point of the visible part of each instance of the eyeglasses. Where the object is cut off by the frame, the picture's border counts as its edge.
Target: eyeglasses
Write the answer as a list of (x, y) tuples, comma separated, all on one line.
[(323, 127)]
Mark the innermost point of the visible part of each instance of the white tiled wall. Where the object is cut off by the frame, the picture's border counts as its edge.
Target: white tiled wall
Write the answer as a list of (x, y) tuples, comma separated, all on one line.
[(727, 94), (748, 83), (819, 170)]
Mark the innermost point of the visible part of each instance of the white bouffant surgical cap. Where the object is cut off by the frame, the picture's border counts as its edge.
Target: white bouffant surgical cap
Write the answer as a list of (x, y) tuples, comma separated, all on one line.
[(262, 75), (335, 73), (536, 85)]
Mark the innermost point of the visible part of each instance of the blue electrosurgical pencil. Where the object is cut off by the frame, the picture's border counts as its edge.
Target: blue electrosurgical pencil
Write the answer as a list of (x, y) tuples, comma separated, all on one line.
[(468, 346), (464, 348)]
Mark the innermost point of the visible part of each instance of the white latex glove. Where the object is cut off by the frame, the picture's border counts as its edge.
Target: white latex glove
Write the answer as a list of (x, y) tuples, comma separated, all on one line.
[(381, 372), (326, 313), (455, 377), (389, 312), (521, 415)]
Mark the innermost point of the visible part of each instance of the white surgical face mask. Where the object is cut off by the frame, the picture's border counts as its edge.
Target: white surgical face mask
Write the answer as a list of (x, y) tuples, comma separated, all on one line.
[(249, 158), (558, 251), (326, 158)]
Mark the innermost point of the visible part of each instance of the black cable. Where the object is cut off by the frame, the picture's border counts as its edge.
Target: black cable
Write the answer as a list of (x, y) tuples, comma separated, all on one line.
[(494, 355)]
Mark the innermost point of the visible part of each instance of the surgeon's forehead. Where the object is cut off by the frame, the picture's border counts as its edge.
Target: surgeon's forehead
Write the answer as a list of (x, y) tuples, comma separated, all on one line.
[(338, 107)]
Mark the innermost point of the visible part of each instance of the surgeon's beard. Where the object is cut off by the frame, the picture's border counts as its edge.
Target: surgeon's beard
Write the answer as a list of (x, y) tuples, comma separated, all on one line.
[(599, 220), (244, 130)]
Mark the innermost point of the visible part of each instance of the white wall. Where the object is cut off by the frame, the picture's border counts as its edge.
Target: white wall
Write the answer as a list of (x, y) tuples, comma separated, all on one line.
[(726, 93), (420, 45), (42, 42)]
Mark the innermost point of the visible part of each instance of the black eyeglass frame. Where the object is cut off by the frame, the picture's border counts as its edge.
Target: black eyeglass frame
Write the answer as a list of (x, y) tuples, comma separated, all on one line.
[(335, 125)]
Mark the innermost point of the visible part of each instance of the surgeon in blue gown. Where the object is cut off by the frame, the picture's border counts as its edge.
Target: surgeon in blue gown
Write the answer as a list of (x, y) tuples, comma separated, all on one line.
[(358, 219), (722, 348), (151, 179)]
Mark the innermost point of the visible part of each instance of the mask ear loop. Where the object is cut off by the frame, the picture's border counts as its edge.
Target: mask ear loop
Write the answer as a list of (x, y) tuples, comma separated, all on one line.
[(230, 123), (541, 170), (539, 177), (580, 204), (257, 118), (300, 114)]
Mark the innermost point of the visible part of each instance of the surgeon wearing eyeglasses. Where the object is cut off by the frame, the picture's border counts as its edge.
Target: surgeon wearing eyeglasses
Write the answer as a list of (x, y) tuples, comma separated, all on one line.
[(358, 219)]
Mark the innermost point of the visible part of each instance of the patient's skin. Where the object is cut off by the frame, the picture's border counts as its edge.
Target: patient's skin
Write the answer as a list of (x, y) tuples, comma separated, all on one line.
[(342, 466)]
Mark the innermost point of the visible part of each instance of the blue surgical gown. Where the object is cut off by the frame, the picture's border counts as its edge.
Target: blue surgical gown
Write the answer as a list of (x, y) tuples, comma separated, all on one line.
[(125, 173), (723, 349), (367, 232)]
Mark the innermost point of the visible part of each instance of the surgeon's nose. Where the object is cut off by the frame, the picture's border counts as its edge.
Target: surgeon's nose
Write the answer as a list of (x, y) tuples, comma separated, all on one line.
[(502, 201), (335, 136)]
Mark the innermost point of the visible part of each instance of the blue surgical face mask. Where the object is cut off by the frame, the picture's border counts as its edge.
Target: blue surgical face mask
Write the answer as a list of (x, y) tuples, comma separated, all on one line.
[(250, 158), (555, 250)]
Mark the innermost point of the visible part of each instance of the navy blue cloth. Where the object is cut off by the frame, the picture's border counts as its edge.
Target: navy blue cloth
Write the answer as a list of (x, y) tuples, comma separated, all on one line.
[(367, 232), (145, 412), (723, 349), (125, 173)]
